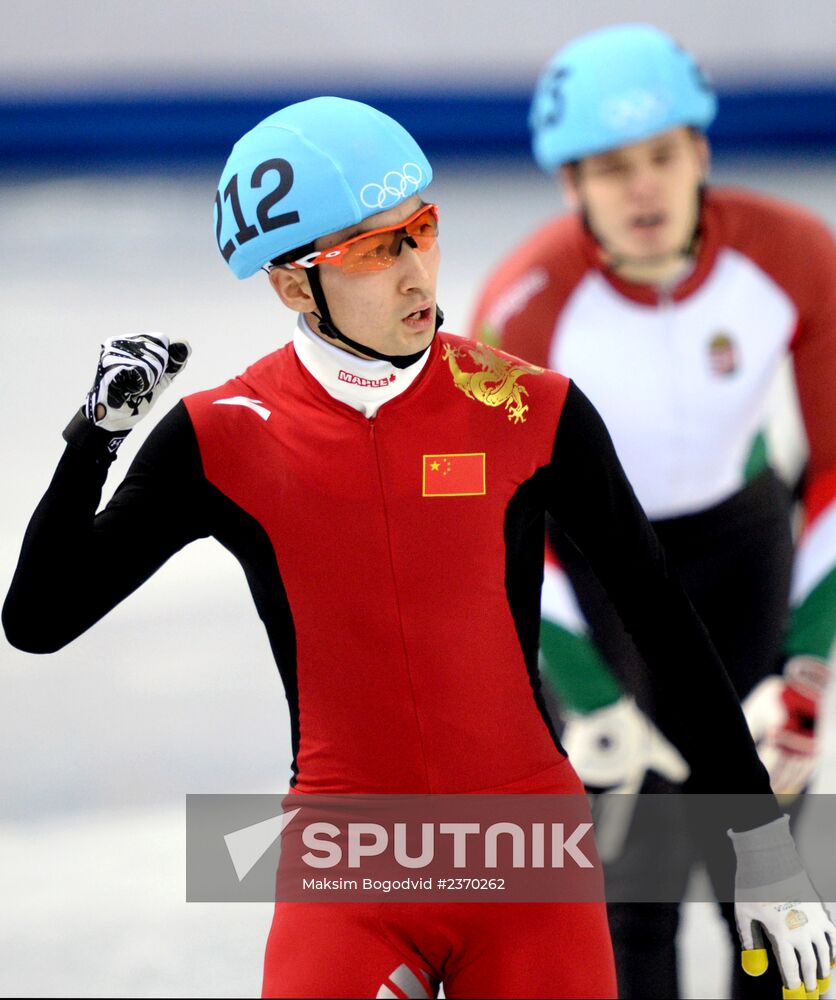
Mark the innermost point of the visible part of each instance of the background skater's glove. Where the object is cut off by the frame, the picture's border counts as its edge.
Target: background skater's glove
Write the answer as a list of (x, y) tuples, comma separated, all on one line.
[(782, 713), (776, 903), (612, 748)]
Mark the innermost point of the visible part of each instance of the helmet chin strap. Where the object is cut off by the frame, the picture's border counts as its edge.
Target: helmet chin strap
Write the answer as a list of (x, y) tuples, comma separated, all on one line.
[(686, 251), (328, 328)]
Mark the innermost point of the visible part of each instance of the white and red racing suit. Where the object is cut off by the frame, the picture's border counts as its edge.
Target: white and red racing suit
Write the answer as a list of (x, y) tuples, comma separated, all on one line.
[(682, 378)]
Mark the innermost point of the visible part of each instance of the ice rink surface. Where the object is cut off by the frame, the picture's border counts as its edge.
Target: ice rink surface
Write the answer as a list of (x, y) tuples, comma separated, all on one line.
[(176, 692)]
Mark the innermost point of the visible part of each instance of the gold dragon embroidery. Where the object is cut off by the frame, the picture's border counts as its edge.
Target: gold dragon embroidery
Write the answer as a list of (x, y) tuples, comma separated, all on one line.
[(497, 381)]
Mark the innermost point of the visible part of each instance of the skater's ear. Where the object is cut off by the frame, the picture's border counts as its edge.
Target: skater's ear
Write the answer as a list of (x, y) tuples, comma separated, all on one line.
[(293, 288)]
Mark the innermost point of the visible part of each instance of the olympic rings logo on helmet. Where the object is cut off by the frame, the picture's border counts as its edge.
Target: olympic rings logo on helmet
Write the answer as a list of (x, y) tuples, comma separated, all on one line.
[(395, 187), (635, 109)]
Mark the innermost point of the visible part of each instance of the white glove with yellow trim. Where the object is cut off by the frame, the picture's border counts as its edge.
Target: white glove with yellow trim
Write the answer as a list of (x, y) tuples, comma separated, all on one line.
[(775, 902)]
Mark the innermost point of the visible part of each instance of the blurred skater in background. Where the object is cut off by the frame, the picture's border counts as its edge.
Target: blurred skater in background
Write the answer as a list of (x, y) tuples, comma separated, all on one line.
[(672, 305)]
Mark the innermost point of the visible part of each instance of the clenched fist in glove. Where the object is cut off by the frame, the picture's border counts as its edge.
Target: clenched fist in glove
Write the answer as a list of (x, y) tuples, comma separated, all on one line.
[(775, 903), (133, 371), (782, 713)]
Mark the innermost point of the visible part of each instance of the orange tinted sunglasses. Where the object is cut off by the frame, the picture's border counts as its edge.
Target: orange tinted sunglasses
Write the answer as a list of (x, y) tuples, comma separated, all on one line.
[(379, 248)]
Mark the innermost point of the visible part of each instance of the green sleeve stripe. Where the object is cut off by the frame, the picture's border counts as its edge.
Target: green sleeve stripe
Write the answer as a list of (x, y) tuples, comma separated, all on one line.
[(758, 458), (575, 669), (813, 622)]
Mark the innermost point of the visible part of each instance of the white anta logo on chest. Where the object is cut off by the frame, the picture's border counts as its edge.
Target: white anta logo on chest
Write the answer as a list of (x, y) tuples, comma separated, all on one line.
[(251, 404)]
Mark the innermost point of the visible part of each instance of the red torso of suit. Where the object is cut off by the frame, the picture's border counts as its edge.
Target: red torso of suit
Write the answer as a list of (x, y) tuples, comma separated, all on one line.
[(389, 535)]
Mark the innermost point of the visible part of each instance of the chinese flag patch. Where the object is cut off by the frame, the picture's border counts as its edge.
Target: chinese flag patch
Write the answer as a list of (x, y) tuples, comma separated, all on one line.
[(454, 475)]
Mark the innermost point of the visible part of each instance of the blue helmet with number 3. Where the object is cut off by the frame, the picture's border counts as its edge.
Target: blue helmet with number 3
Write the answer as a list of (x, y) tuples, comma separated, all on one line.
[(308, 170), (613, 87)]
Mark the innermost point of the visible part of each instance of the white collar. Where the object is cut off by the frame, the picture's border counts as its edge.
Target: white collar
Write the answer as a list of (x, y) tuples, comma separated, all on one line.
[(363, 383)]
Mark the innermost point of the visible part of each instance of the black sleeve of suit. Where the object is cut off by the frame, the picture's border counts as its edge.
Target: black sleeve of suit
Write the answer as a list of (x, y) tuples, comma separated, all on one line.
[(593, 504), (75, 565)]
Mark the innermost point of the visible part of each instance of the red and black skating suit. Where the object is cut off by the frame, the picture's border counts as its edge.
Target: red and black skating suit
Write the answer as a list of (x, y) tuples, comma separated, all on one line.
[(396, 562)]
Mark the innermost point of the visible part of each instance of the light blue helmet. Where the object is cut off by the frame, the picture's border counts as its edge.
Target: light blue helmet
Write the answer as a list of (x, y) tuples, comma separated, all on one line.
[(612, 87), (308, 170)]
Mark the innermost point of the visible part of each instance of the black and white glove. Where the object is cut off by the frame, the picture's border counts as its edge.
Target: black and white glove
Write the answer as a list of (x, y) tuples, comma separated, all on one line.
[(775, 902), (133, 372)]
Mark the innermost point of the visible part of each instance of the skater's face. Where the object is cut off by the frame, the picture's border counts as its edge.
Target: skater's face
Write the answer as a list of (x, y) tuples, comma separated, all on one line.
[(390, 310), (641, 201)]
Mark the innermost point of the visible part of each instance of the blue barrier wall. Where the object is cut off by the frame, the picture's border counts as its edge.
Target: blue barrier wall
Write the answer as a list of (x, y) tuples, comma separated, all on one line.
[(95, 82), (86, 131)]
